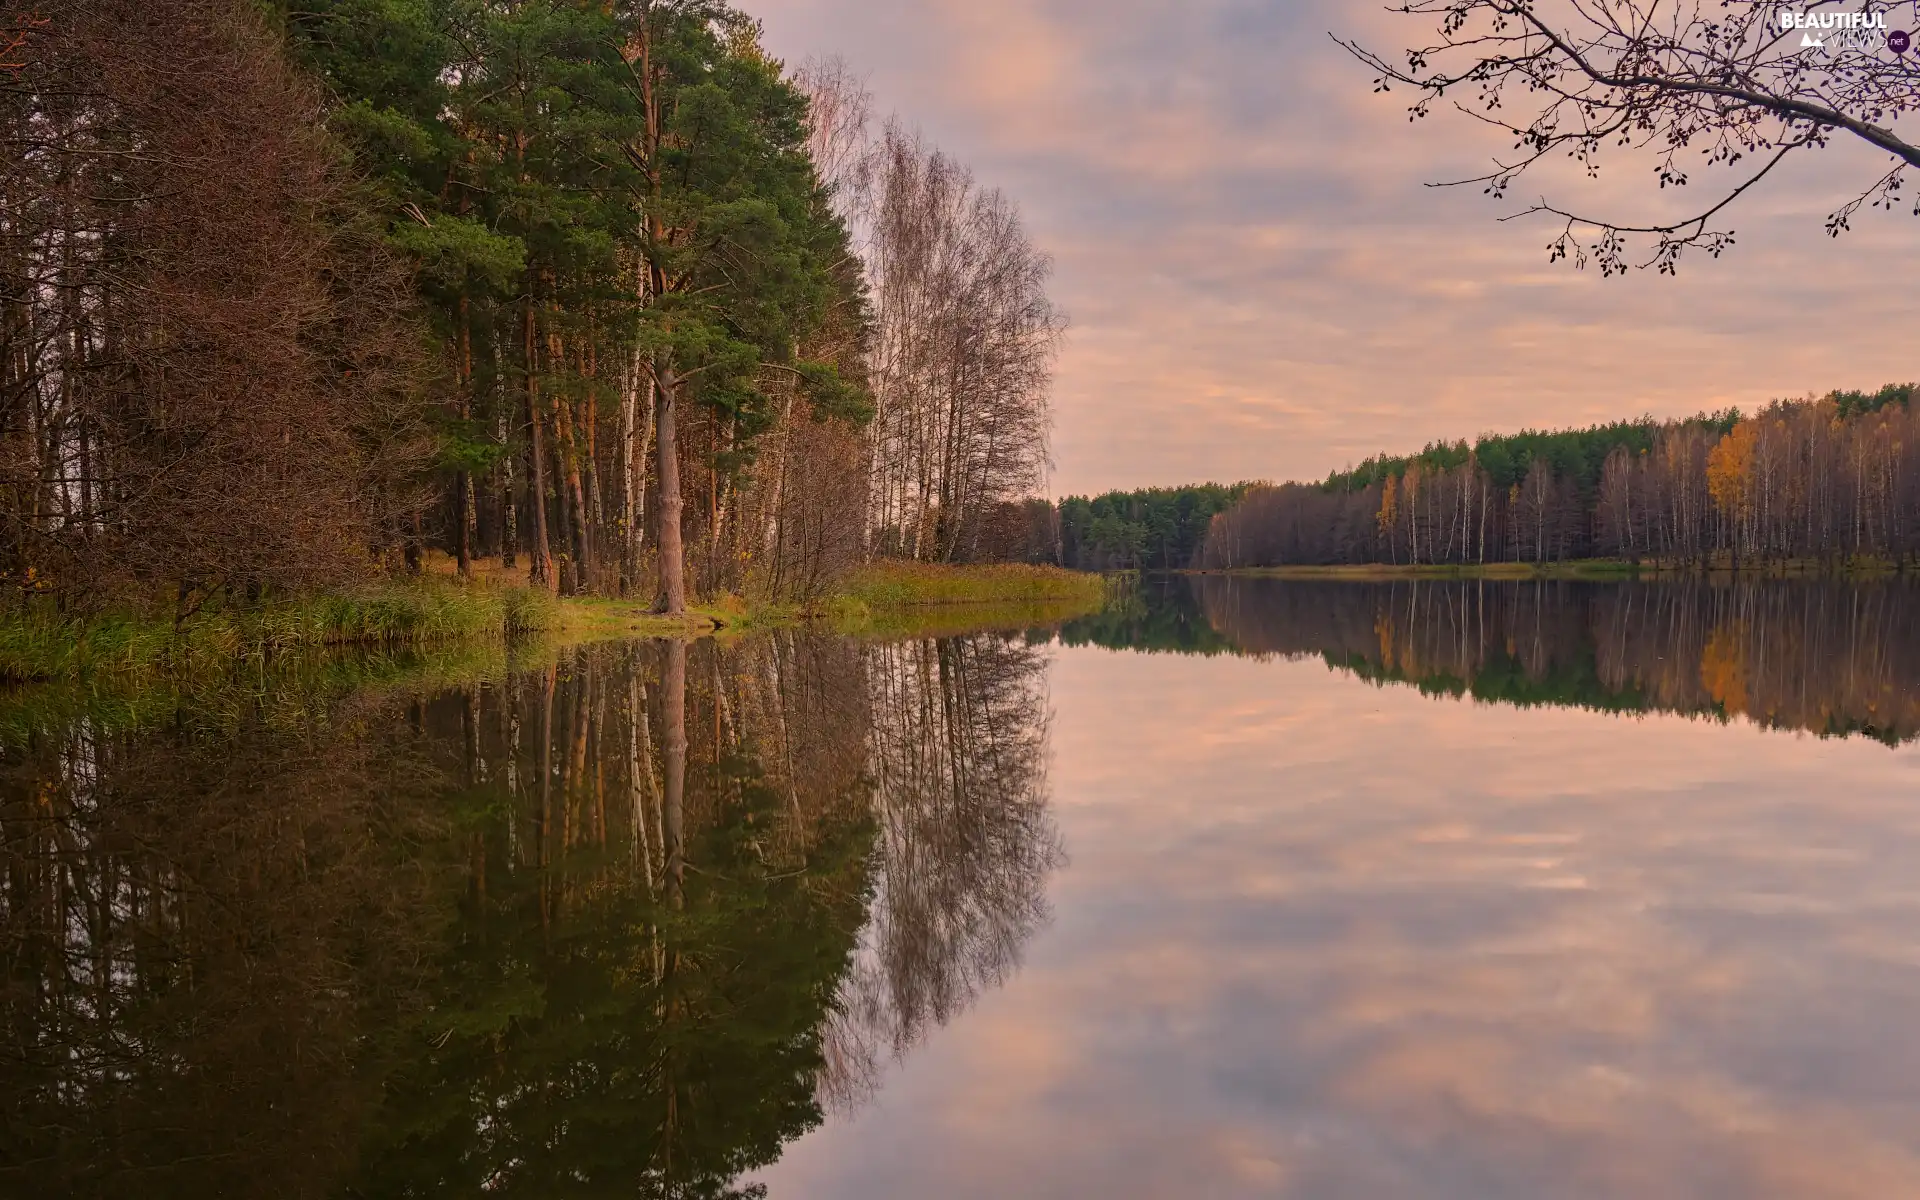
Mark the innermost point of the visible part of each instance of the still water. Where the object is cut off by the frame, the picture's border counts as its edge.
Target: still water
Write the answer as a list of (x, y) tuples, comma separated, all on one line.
[(1241, 888)]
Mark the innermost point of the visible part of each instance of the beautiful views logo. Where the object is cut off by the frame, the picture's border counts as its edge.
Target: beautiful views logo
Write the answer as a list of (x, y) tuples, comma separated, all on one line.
[(1836, 31)]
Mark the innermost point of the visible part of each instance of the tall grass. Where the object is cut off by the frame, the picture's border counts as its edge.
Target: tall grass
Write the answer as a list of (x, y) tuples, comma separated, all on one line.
[(36, 645), (890, 598), (889, 583)]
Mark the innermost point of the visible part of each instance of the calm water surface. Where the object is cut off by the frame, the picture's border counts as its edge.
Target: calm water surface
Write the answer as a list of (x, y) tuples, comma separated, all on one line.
[(1237, 889)]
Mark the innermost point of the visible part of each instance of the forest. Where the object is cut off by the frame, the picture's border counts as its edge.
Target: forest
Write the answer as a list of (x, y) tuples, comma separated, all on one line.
[(1150, 529), (1831, 481), (601, 293)]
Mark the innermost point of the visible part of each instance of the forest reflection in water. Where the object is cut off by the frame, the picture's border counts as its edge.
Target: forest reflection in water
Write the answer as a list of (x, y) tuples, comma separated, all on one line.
[(621, 923), (667, 920), (1817, 656)]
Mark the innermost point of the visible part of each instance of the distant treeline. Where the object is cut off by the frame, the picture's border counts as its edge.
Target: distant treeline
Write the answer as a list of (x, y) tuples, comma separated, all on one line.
[(1825, 479), (1148, 529)]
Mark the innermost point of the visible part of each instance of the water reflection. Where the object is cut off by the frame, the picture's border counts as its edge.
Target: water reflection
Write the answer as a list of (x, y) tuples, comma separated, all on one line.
[(788, 914), (617, 923), (1322, 938), (1816, 656), (200, 926), (967, 844)]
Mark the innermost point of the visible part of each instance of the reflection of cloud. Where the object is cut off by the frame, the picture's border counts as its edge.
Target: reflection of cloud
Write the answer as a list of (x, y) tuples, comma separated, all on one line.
[(957, 760), (1260, 285), (1343, 958)]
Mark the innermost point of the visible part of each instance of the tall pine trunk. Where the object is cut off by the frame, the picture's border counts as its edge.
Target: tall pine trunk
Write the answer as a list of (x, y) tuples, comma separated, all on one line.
[(573, 509), (673, 580), (463, 480), (540, 572), (630, 470)]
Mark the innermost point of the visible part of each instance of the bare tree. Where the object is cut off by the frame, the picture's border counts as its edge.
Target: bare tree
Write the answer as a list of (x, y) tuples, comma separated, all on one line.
[(1736, 86), (206, 370), (963, 353), (963, 338)]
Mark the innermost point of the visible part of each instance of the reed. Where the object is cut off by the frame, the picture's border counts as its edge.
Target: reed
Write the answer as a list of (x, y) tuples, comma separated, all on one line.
[(36, 644)]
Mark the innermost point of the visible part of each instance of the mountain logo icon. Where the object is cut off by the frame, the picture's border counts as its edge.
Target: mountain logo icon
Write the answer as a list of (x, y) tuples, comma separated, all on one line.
[(1807, 39)]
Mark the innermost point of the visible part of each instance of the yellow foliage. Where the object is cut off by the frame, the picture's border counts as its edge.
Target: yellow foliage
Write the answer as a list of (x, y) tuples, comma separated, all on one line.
[(1730, 467), (1723, 671)]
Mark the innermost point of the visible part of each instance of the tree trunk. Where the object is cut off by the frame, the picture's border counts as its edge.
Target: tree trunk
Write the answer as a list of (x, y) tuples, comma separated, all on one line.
[(573, 508), (463, 480), (540, 573), (632, 459), (509, 503), (673, 581)]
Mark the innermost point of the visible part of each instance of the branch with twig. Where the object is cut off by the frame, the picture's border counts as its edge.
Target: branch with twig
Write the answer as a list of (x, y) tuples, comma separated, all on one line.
[(13, 51), (1675, 78)]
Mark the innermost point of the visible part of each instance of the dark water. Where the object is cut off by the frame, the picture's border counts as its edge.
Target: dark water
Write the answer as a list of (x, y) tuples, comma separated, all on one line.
[(1238, 889)]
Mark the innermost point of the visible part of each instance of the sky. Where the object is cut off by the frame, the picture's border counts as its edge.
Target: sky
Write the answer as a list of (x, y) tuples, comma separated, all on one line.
[(1259, 282)]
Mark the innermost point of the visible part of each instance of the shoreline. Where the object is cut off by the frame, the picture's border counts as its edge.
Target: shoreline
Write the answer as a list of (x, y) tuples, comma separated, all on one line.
[(436, 610)]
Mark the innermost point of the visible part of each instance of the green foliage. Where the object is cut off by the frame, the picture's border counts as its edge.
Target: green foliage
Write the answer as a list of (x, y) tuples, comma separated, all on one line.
[(745, 245), (1856, 403), (1577, 454), (37, 645), (454, 251), (833, 397), (1146, 529), (512, 150)]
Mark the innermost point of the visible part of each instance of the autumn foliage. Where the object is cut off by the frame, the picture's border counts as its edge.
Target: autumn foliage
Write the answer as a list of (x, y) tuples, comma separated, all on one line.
[(1829, 481), (204, 366)]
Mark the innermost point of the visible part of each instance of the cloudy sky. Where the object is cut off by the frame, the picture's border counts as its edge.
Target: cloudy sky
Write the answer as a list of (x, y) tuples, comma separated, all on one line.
[(1261, 287)]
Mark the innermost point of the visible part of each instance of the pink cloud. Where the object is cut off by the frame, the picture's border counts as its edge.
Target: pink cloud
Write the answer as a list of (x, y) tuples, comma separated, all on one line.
[(1261, 285)]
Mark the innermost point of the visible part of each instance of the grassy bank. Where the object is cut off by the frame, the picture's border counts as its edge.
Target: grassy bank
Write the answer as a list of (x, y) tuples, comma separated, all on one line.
[(891, 585), (885, 598), (889, 598), (39, 645)]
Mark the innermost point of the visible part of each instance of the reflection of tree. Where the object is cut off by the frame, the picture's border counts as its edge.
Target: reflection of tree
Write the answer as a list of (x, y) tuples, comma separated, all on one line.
[(198, 925), (967, 842), (1154, 615), (1825, 657), (653, 931), (583, 929)]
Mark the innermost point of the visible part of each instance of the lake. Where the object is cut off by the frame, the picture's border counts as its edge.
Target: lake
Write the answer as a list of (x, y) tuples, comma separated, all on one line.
[(1239, 888)]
